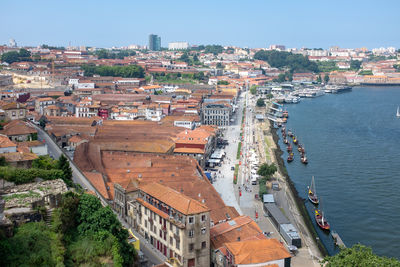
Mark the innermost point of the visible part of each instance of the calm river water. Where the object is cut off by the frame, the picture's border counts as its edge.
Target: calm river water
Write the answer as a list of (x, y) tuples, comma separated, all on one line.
[(352, 142)]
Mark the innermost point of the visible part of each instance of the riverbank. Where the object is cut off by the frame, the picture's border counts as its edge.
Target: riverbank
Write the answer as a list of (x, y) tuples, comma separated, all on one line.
[(290, 200), (296, 199)]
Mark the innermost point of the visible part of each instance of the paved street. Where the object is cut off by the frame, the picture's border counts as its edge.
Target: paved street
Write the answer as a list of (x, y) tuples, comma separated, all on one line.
[(247, 204)]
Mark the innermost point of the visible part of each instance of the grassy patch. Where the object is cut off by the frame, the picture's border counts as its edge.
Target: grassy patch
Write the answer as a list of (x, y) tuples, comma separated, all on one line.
[(267, 154), (235, 174), (262, 185), (238, 151), (21, 196)]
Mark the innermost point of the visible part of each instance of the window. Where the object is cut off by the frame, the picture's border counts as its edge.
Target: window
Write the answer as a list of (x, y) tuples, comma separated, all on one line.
[(160, 233), (191, 219), (178, 244), (191, 233), (203, 218), (203, 244), (171, 227), (145, 223), (191, 247), (171, 240)]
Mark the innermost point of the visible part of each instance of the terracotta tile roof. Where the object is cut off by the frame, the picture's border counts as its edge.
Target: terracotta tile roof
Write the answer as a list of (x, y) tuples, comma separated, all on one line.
[(176, 200), (242, 227), (181, 173), (17, 127), (189, 150), (75, 139), (98, 182), (13, 105), (196, 136), (257, 251), (31, 143), (6, 142), (19, 156)]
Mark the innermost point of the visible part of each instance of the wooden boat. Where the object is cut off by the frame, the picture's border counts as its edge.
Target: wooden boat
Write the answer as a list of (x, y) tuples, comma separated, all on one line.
[(289, 148), (290, 158), (285, 114), (321, 220), (290, 133), (286, 141), (312, 192), (303, 159), (300, 148), (295, 141)]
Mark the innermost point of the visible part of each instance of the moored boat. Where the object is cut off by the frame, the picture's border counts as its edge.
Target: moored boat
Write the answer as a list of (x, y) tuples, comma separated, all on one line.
[(295, 140), (304, 159), (312, 192), (321, 220), (289, 148), (286, 141), (290, 133), (398, 112), (290, 158)]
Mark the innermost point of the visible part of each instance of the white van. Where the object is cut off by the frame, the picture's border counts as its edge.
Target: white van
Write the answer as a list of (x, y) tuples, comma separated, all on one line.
[(253, 179)]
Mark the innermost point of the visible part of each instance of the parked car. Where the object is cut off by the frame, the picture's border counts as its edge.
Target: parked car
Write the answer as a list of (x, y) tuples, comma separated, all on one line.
[(232, 168)]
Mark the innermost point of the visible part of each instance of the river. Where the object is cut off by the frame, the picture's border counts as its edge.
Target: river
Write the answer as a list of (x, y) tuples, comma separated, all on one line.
[(352, 142)]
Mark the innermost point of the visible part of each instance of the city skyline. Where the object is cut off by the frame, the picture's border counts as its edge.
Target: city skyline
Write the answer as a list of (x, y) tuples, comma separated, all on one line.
[(254, 25)]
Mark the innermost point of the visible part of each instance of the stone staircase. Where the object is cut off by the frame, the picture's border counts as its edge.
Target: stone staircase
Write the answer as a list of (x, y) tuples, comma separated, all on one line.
[(47, 217)]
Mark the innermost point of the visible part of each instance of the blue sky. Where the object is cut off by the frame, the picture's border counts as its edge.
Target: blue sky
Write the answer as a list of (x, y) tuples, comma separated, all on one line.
[(294, 23)]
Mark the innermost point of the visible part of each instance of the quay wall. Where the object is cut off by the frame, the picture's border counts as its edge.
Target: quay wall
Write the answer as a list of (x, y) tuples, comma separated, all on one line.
[(299, 201)]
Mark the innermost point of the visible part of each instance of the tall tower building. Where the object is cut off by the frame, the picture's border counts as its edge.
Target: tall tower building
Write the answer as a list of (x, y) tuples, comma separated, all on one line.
[(154, 42)]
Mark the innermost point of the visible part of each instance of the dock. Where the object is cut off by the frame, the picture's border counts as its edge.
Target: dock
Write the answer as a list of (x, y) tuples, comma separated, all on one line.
[(338, 241)]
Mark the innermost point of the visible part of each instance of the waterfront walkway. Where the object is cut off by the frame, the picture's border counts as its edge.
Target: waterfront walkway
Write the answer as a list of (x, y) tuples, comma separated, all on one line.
[(247, 204)]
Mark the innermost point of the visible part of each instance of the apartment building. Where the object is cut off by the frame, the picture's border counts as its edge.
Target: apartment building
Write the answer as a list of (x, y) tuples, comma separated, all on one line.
[(14, 111), (176, 225), (216, 114)]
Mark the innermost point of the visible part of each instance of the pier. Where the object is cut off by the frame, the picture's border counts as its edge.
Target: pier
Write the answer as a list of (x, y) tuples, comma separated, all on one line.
[(338, 241)]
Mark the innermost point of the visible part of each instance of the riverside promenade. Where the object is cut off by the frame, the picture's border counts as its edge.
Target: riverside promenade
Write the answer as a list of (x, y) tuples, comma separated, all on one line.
[(257, 137)]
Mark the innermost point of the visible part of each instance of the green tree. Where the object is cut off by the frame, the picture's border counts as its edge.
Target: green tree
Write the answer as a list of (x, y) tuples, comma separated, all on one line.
[(219, 65), (10, 57), (185, 57), (281, 59), (63, 165), (269, 96), (223, 83), (326, 78), (3, 161), (32, 245), (69, 212), (253, 89), (267, 170), (260, 102), (45, 163), (355, 64), (319, 79), (358, 255)]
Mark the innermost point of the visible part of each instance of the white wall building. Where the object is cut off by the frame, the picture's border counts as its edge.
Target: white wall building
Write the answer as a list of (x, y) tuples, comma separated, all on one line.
[(178, 45)]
